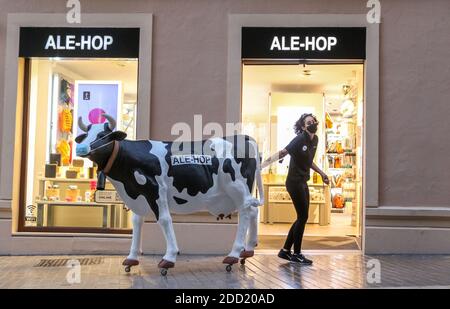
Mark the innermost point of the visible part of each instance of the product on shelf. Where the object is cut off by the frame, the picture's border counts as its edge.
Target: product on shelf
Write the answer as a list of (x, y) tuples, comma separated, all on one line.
[(65, 120), (89, 195), (52, 193), (337, 162), (72, 194), (63, 147), (50, 170), (328, 121), (55, 158), (78, 163), (338, 201), (71, 174)]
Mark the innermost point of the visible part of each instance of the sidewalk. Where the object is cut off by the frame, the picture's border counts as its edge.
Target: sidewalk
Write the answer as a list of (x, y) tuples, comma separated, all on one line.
[(339, 270)]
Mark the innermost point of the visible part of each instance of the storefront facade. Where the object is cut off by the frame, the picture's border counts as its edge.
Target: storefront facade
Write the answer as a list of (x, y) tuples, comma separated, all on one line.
[(201, 52)]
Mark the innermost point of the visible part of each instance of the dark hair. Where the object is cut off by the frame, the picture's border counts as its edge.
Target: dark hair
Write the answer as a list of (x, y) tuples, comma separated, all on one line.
[(301, 123)]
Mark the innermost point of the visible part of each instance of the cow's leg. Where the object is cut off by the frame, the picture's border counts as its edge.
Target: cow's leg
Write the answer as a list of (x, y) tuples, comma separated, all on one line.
[(136, 243), (165, 222), (252, 237), (239, 242)]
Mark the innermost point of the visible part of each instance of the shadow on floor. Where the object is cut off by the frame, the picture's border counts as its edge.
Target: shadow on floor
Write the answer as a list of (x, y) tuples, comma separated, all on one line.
[(310, 242)]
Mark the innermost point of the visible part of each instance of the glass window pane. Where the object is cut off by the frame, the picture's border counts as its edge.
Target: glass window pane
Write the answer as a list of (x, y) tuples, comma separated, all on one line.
[(59, 185)]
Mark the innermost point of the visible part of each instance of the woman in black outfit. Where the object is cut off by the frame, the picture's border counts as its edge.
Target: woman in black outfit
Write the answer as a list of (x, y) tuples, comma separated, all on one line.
[(302, 150)]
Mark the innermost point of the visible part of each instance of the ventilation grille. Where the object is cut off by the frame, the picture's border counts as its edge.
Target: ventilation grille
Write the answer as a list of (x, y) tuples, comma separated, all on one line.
[(63, 262)]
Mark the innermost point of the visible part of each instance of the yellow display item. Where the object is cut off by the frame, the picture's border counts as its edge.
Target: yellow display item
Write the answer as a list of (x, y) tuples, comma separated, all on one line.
[(328, 121), (337, 162), (339, 148), (338, 201), (66, 120), (63, 148), (72, 194), (52, 193)]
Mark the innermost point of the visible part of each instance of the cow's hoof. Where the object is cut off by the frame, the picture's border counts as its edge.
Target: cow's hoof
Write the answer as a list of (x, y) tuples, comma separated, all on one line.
[(247, 254), (230, 260), (130, 262), (166, 264)]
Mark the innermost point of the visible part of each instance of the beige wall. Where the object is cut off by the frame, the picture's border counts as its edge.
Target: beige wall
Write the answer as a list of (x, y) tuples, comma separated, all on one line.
[(190, 56)]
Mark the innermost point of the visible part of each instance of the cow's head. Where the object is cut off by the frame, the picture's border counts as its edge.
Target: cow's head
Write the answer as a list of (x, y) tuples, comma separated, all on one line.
[(97, 140)]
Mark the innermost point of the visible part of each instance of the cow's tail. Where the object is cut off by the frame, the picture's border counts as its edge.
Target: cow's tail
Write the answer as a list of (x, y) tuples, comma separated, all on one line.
[(258, 176)]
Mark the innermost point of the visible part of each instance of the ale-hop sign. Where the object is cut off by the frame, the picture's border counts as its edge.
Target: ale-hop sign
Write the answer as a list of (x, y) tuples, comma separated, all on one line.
[(191, 159), (303, 43), (79, 42)]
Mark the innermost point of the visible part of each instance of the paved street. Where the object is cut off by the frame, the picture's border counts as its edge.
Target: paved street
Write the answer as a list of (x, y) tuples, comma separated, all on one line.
[(262, 271)]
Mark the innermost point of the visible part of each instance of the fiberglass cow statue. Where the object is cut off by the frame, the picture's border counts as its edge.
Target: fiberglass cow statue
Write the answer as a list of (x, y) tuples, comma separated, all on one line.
[(216, 175)]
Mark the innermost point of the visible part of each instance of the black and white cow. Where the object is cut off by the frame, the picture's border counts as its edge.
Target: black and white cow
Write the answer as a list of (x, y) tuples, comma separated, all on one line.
[(216, 175)]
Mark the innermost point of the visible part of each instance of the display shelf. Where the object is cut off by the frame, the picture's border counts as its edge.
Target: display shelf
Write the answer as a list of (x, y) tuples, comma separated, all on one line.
[(279, 209), (290, 202), (338, 210), (340, 154), (339, 168), (280, 201), (66, 203), (81, 180)]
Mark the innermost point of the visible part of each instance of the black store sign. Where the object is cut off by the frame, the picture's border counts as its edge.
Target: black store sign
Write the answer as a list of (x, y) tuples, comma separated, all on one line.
[(303, 43), (79, 42)]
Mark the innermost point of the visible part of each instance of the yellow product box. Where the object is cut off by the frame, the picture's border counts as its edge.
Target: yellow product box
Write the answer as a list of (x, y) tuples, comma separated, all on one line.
[(72, 193)]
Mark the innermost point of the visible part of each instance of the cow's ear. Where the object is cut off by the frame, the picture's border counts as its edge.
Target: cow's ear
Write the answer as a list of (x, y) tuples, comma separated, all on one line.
[(118, 135)]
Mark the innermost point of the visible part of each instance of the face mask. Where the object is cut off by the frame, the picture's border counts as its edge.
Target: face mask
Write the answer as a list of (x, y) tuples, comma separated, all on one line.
[(312, 128)]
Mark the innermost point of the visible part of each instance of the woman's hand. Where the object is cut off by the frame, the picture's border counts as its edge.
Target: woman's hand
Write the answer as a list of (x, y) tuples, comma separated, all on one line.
[(325, 178)]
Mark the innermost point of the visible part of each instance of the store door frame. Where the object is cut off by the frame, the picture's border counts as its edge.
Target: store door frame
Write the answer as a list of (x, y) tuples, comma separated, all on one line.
[(371, 82), (10, 146)]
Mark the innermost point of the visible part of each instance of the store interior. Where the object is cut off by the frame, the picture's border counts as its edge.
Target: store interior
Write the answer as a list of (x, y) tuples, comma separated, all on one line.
[(273, 98), (60, 186)]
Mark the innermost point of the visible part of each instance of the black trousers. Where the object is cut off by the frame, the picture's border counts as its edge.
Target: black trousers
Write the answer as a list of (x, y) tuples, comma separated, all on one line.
[(299, 193)]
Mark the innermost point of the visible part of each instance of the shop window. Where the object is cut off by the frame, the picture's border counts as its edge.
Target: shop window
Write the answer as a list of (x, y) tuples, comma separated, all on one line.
[(57, 188)]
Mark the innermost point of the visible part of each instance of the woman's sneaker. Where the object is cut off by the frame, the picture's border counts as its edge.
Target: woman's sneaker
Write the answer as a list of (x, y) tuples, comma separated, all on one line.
[(301, 259), (285, 254)]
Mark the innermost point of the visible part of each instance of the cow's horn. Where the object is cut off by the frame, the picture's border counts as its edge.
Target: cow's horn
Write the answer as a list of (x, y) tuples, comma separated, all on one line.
[(111, 121), (81, 125)]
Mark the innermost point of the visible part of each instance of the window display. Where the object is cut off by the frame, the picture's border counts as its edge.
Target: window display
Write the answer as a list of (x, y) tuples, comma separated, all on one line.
[(60, 191), (341, 152)]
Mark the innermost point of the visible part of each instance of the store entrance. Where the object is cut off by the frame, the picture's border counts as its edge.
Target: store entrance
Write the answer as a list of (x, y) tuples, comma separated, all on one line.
[(274, 95)]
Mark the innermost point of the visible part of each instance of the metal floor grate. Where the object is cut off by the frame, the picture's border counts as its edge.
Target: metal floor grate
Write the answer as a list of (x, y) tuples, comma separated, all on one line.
[(63, 262)]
